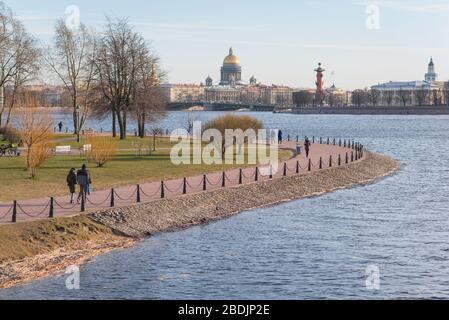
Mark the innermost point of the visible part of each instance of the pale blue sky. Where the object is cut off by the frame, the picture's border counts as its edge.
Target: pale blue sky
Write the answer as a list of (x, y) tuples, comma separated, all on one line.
[(277, 41)]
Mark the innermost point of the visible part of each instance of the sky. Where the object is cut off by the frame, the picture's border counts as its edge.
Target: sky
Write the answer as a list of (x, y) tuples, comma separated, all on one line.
[(360, 43)]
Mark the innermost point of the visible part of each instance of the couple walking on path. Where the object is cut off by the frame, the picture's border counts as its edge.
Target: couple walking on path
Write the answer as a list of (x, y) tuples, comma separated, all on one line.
[(82, 178)]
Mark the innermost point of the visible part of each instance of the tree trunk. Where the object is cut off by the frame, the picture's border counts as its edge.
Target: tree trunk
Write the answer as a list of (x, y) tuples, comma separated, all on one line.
[(114, 128)]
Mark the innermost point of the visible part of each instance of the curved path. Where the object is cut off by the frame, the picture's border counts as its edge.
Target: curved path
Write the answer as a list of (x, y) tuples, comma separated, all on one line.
[(34, 209)]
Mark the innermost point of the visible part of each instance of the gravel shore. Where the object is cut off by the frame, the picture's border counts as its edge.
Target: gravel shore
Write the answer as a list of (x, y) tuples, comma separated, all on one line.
[(185, 211)]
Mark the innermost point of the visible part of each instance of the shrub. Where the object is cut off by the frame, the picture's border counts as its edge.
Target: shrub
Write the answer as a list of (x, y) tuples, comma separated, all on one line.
[(102, 149), (232, 122)]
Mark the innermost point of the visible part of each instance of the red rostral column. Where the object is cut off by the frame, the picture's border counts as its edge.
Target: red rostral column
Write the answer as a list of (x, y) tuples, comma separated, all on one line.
[(319, 84)]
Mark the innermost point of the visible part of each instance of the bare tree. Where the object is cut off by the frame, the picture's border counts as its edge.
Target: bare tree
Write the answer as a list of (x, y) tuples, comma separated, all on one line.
[(359, 97), (389, 97), (373, 96), (19, 59), (421, 95), (302, 98), (404, 96), (117, 62), (71, 60), (446, 94)]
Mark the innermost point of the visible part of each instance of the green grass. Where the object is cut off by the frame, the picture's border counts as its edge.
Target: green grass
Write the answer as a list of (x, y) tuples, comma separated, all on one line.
[(124, 168)]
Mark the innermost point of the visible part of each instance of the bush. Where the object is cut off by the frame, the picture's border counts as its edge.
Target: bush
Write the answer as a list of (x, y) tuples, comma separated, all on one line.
[(10, 134), (102, 149)]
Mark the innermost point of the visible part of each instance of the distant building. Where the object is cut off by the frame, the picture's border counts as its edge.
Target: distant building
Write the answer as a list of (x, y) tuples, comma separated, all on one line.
[(183, 92), (421, 92), (231, 71)]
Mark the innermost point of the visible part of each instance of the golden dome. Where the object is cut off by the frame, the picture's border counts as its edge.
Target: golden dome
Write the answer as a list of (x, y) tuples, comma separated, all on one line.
[(231, 58)]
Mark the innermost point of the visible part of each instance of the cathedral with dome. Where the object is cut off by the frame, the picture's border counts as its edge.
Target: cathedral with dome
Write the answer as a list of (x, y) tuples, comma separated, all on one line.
[(231, 71)]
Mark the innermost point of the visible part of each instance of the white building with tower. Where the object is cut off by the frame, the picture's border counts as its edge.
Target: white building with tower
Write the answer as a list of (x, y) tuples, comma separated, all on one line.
[(429, 91)]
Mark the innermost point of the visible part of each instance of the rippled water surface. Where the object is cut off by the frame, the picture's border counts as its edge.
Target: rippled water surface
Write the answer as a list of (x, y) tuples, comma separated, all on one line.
[(307, 249)]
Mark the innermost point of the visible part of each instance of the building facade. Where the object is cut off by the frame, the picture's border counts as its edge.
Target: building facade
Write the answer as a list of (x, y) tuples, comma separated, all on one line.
[(429, 91), (174, 93)]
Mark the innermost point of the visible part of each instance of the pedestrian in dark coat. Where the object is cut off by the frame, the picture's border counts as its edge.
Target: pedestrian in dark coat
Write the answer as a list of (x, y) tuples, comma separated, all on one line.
[(71, 182)]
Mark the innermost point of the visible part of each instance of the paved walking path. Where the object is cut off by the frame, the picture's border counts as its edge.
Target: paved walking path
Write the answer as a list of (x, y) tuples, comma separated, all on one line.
[(35, 209)]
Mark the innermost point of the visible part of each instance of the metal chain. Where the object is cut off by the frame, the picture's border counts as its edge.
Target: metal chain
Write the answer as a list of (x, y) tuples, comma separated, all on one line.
[(127, 199), (98, 204), (7, 212), (151, 195), (30, 214), (65, 208)]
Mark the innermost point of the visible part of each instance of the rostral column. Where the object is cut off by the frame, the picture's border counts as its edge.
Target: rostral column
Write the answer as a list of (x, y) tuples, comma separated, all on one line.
[(319, 84)]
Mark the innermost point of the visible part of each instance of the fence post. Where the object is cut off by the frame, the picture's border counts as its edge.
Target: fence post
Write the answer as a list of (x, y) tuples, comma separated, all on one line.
[(184, 186), (285, 169), (204, 182), (256, 175), (240, 176), (138, 194), (162, 190), (339, 159), (310, 165), (51, 213), (330, 161), (297, 167), (112, 198), (14, 211), (83, 202), (321, 163), (223, 179)]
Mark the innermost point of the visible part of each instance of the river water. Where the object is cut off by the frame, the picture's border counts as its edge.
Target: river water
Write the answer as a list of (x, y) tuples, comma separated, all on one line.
[(317, 248)]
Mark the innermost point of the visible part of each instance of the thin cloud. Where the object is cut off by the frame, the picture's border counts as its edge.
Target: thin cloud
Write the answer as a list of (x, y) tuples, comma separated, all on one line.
[(195, 26)]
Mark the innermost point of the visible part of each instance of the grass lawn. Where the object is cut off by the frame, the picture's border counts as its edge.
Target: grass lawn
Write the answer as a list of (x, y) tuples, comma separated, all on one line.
[(125, 168)]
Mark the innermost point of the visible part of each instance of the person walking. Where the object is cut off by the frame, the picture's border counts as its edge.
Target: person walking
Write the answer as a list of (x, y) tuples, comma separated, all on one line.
[(307, 146), (280, 136), (71, 182), (83, 179), (60, 126)]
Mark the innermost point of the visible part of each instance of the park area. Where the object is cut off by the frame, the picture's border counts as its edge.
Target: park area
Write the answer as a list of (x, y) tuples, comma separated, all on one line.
[(133, 161)]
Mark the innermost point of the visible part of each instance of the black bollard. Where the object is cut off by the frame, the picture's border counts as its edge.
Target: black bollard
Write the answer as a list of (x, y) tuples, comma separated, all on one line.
[(83, 203), (223, 179), (112, 204), (352, 156), (271, 172), (14, 212), (162, 190), (204, 183), (51, 213), (184, 186), (256, 175), (330, 161), (347, 158), (321, 163), (339, 160), (240, 176), (285, 169), (138, 194), (310, 165), (297, 167)]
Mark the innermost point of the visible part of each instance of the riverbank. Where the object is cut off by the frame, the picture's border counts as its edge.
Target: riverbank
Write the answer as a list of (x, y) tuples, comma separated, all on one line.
[(381, 110), (105, 230)]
